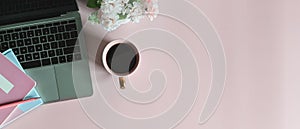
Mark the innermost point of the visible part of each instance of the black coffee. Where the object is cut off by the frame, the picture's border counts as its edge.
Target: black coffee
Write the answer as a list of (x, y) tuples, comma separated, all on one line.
[(122, 58)]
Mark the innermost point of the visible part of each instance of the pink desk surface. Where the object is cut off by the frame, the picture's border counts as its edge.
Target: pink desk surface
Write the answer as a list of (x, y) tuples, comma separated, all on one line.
[(261, 42)]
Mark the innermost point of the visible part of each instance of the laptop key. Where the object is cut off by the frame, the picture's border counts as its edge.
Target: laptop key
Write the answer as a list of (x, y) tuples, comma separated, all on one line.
[(50, 38), (69, 58), (46, 62), (21, 58), (56, 23), (35, 40), (27, 41), (74, 34), (46, 31), (68, 50), (30, 33), (61, 28), (43, 39), (41, 26), (71, 42), (59, 52), (1, 38), (71, 27), (33, 27), (58, 37), (22, 35), (44, 54), (4, 46), (18, 29), (48, 24), (71, 21), (31, 64), (51, 53), (53, 30), (66, 35), (38, 32), (10, 31), (12, 44), (28, 57), (7, 37), (25, 28), (61, 43), (31, 49), (38, 47), (77, 56), (46, 46), (20, 43), (62, 59), (36, 56), (23, 50), (54, 60), (64, 22), (76, 49), (16, 51), (2, 49), (15, 36), (54, 45)]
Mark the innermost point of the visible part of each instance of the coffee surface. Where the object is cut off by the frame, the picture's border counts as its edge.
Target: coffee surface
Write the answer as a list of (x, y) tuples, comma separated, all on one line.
[(122, 58)]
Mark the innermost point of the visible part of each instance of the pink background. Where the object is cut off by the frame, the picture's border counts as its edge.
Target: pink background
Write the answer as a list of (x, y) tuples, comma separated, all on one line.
[(261, 42)]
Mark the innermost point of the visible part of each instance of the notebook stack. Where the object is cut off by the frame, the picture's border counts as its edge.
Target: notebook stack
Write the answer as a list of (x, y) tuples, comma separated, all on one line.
[(15, 85)]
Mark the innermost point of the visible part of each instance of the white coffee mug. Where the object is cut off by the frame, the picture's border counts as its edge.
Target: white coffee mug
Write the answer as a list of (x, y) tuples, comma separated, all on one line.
[(120, 58)]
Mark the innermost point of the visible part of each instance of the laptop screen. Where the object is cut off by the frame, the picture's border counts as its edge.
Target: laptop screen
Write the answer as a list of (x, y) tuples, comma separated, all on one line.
[(13, 11)]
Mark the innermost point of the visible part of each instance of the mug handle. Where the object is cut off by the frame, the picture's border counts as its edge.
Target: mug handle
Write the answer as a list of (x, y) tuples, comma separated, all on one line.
[(122, 82)]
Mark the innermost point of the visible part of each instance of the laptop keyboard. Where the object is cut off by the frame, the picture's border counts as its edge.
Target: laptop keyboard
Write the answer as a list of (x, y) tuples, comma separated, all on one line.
[(43, 44)]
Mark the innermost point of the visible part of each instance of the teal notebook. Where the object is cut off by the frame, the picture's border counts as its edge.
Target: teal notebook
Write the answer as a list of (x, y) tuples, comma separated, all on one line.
[(22, 108)]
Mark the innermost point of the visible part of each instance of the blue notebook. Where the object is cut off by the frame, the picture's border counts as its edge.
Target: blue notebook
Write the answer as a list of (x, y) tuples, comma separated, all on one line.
[(22, 108)]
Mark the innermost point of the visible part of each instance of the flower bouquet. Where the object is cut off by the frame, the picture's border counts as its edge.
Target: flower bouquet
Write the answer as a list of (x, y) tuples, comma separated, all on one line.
[(113, 13)]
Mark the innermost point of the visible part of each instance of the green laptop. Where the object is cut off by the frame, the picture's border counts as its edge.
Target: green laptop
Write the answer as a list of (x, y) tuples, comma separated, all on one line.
[(45, 37)]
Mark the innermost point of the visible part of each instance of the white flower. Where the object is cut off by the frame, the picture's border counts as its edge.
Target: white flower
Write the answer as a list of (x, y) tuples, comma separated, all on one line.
[(136, 12), (114, 13), (123, 21), (127, 9), (111, 6), (151, 7), (95, 17), (109, 21), (125, 1)]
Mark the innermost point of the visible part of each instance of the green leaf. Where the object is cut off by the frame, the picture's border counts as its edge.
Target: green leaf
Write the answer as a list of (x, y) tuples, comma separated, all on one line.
[(131, 1), (121, 16), (94, 3)]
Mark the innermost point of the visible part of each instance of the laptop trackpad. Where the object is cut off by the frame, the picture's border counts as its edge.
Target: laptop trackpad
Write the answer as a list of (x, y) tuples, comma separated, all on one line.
[(66, 78), (65, 81), (46, 82)]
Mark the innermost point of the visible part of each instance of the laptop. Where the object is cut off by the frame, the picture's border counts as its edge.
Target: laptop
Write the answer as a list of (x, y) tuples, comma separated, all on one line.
[(44, 35)]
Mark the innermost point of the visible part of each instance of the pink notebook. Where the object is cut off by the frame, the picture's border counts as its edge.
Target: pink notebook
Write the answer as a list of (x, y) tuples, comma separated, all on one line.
[(14, 85)]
